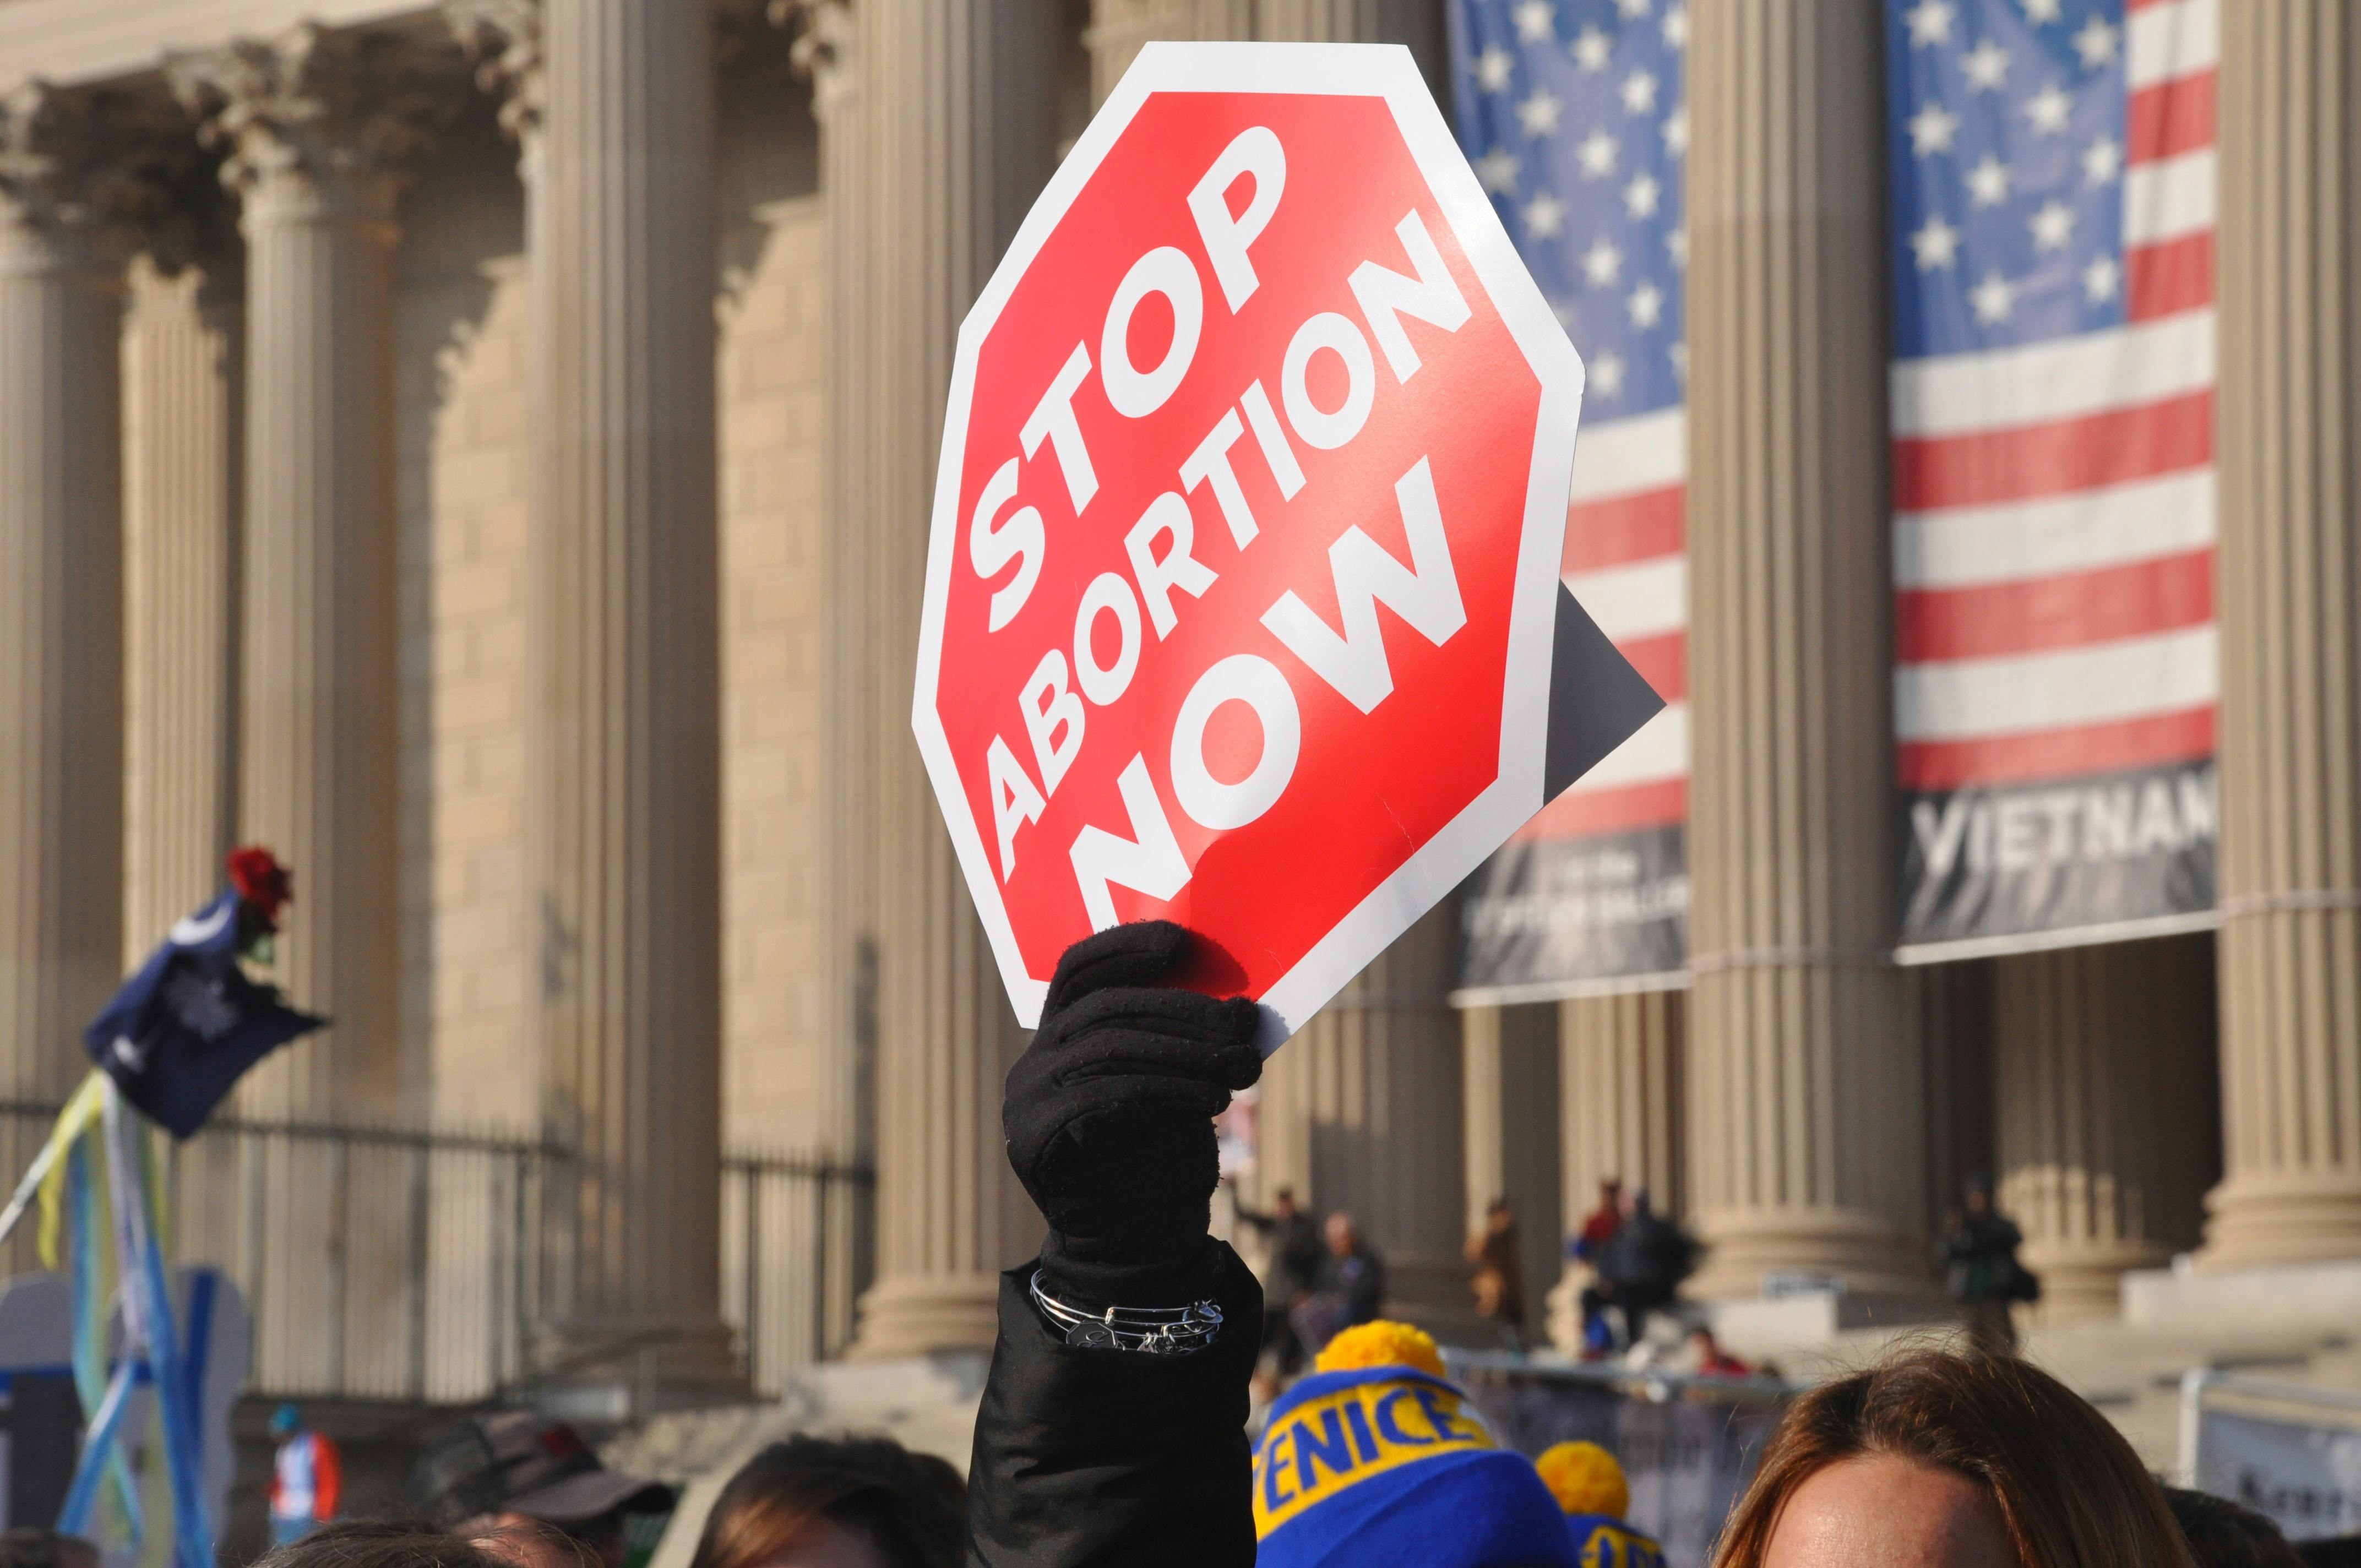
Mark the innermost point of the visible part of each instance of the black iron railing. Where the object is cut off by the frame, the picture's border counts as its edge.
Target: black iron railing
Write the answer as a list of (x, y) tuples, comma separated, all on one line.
[(387, 1263)]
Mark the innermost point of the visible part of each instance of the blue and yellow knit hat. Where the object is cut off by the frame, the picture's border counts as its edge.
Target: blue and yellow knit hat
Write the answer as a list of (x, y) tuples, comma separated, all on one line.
[(1589, 1486), (1372, 1465)]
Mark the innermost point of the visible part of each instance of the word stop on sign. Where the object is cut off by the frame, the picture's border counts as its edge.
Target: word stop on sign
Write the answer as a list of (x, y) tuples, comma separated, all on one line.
[(1244, 552)]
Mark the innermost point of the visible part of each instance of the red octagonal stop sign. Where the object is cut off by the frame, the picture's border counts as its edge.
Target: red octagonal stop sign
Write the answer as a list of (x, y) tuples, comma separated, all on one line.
[(1246, 538)]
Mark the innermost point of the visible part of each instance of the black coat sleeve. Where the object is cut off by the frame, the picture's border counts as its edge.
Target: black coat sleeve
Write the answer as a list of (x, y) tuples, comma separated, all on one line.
[(1115, 1459)]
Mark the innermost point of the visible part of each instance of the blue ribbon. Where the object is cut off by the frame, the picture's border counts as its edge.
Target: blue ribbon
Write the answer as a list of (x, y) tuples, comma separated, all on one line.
[(192, 1537), (149, 1305), (90, 1373), (97, 1444)]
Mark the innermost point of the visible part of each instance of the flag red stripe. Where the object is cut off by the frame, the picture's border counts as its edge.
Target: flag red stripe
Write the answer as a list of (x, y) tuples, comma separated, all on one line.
[(2169, 277), (2155, 738), (1988, 467), (1663, 661), (1623, 529), (2069, 609), (2171, 117), (1581, 814)]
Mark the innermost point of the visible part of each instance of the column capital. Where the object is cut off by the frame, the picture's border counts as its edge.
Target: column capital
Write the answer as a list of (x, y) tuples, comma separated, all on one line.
[(71, 176), (502, 38), (314, 123), (822, 50)]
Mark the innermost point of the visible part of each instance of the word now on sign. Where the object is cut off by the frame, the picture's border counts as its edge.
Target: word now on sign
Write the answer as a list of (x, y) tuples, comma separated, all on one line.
[(1242, 593)]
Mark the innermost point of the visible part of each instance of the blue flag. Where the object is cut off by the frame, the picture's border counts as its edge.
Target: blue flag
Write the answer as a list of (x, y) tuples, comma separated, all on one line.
[(183, 1029)]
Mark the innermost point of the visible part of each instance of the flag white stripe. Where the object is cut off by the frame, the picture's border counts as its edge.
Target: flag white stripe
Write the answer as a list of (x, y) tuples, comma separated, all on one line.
[(1953, 394), (1657, 750), (1968, 546), (1643, 599), (2168, 198), (1620, 456), (2172, 40), (2097, 685)]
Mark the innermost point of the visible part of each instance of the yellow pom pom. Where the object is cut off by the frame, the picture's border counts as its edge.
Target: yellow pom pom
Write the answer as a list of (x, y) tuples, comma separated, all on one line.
[(1585, 1479), (1381, 1344)]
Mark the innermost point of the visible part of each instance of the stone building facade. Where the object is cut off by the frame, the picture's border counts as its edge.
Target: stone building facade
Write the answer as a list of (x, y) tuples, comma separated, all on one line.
[(480, 448)]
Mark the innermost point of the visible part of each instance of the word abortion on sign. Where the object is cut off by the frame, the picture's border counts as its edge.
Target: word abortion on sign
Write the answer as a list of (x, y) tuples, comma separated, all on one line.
[(1242, 603)]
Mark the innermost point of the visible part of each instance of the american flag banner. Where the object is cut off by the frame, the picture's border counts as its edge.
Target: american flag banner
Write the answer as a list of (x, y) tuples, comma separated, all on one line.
[(1572, 114), (2053, 199)]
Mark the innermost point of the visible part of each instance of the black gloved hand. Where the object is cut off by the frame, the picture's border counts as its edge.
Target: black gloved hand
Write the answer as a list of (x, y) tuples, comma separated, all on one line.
[(1109, 1116)]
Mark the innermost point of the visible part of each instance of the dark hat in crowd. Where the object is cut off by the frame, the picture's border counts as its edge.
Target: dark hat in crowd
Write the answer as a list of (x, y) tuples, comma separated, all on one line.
[(519, 1461)]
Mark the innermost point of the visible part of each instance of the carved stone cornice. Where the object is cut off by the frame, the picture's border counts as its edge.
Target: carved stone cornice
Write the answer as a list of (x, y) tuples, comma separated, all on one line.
[(822, 49), (71, 175), (503, 39), (312, 122)]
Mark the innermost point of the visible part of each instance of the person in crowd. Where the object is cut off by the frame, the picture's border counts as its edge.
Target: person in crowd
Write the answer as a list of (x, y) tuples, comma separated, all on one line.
[(26, 1546), (1350, 1287), (1710, 1359), (307, 1477), (1589, 1484), (1119, 1441), (2221, 1534), (814, 1502), (1981, 1268), (1497, 1274), (1599, 1228), (1377, 1459), (522, 1542), (1296, 1250), (1943, 1459), (520, 1482), (380, 1544), (1641, 1268)]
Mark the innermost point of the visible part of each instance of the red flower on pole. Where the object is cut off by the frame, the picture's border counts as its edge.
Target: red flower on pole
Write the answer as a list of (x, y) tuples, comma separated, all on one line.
[(263, 886)]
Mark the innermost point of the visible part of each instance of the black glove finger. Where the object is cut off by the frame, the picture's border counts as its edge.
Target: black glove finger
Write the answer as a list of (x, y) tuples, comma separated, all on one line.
[(1047, 1088), (1229, 1065), (1210, 1039), (1186, 1014), (1140, 953), (1145, 1099)]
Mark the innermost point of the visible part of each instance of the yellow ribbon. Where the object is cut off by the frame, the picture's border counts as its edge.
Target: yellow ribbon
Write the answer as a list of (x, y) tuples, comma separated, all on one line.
[(80, 1114)]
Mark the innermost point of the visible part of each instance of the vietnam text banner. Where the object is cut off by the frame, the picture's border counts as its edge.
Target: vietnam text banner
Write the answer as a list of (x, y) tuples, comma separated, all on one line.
[(2052, 415)]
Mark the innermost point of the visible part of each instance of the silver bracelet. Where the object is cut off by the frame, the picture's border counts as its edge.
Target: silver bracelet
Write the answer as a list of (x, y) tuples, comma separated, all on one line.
[(1157, 1331)]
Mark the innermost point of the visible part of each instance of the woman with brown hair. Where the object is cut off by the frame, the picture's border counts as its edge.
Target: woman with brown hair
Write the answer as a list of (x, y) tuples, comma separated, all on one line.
[(814, 1502), (1941, 1459)]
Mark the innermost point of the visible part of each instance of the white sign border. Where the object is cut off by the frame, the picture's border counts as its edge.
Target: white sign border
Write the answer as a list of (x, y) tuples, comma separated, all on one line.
[(1381, 70)]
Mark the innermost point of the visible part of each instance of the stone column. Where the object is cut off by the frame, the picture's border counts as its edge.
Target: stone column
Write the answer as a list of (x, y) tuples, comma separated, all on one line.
[(316, 128), (1804, 1066), (2105, 1122), (822, 50), (614, 102), (1509, 1076), (184, 393), (1621, 1116), (60, 591), (1955, 1020), (2289, 137), (1119, 28), (933, 159), (1361, 1111), (1417, 23)]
